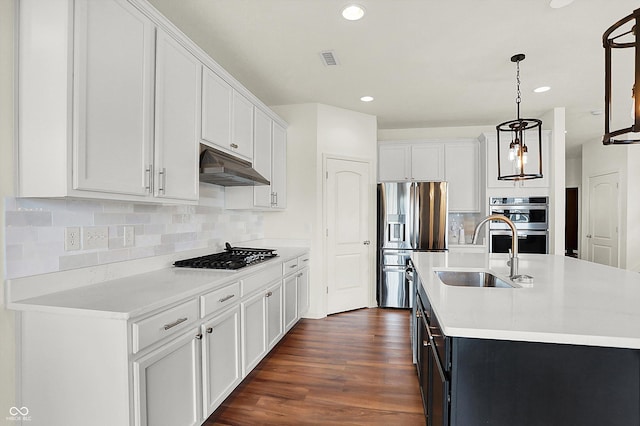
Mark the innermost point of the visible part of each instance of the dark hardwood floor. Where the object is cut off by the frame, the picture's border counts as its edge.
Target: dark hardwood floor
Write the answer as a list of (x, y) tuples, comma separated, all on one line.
[(353, 368)]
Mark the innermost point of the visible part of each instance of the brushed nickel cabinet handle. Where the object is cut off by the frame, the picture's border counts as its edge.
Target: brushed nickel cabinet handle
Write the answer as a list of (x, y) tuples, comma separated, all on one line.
[(269, 294), (199, 336), (209, 330), (148, 176), (235, 146), (176, 322), (224, 299), (162, 178)]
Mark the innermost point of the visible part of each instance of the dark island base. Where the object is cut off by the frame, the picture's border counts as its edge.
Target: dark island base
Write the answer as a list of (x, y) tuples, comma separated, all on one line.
[(507, 383)]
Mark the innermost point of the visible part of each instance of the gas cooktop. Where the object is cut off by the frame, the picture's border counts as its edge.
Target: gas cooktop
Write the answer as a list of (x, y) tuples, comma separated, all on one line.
[(232, 258)]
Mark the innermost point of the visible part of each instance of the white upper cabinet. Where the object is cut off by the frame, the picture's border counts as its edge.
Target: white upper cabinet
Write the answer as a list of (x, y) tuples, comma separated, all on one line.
[(177, 120), (242, 134), (462, 171), (227, 117), (270, 160), (279, 167), (217, 101), (406, 162), (113, 103), (262, 157)]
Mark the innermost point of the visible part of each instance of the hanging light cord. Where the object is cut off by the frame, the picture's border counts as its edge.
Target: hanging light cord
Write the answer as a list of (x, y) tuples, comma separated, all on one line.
[(518, 98)]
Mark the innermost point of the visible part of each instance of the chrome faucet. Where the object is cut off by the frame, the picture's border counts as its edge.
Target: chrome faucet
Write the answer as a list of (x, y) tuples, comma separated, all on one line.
[(513, 254)]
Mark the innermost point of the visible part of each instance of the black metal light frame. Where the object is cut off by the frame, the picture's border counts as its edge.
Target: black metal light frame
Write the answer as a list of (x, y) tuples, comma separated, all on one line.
[(611, 41), (514, 133)]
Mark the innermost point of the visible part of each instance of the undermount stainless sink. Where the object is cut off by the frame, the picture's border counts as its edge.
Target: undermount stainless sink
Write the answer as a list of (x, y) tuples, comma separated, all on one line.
[(472, 279)]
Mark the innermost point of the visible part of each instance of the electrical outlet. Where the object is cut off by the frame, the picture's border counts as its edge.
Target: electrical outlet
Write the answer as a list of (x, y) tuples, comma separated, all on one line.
[(95, 237), (129, 236), (72, 238)]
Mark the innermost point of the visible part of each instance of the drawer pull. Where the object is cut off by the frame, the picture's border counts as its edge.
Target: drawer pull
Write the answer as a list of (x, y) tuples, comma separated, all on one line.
[(199, 336), (224, 299), (305, 260), (293, 266), (209, 330), (176, 322)]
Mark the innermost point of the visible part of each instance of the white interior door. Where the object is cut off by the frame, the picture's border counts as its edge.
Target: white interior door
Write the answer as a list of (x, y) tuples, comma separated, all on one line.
[(348, 212), (602, 235)]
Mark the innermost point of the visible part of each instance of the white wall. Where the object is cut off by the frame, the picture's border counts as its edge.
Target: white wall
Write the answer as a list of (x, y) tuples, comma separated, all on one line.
[(633, 208), (555, 120), (7, 334), (598, 159), (573, 172), (315, 130), (434, 133)]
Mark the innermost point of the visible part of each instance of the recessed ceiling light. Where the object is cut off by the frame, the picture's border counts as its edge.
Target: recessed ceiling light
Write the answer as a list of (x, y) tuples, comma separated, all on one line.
[(542, 89), (366, 98), (557, 4), (353, 12)]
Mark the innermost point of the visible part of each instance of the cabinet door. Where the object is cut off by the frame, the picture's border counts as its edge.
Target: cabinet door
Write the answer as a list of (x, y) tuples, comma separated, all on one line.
[(242, 134), (177, 120), (167, 384), (221, 358), (462, 173), (290, 301), (262, 157), (217, 98), (427, 162), (113, 97), (279, 167), (254, 332), (274, 314), (303, 292), (394, 163)]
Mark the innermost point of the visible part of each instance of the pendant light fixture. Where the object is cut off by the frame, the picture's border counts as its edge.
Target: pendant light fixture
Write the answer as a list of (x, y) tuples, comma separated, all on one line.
[(622, 35), (515, 162)]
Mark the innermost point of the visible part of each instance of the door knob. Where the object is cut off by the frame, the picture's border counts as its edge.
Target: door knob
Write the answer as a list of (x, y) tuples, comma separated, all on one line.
[(366, 242)]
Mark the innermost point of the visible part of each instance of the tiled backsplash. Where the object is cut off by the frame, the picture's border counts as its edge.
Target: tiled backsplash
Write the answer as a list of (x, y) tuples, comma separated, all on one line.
[(468, 222), (35, 230)]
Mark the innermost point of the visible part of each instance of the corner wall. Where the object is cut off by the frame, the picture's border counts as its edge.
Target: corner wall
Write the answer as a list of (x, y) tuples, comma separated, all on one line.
[(315, 130), (7, 322)]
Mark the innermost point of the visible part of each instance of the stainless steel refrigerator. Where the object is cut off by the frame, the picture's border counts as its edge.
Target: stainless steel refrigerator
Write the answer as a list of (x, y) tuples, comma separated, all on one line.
[(412, 216)]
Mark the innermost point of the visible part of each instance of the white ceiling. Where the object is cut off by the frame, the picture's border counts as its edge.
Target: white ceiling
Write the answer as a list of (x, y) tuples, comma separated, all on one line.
[(428, 63)]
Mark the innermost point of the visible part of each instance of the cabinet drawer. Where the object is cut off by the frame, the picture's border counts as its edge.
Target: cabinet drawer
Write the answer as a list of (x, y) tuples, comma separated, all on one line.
[(290, 266), (157, 327), (220, 298), (261, 279), (303, 261)]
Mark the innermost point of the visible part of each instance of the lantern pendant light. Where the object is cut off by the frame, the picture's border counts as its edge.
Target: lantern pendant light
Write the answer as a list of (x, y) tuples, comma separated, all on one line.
[(617, 37), (513, 135)]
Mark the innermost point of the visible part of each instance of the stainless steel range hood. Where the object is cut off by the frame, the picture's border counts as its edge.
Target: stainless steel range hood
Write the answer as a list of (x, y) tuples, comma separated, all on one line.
[(223, 169)]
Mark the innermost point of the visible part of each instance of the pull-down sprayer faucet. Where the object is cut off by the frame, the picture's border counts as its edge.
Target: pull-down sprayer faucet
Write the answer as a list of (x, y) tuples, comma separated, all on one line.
[(513, 256)]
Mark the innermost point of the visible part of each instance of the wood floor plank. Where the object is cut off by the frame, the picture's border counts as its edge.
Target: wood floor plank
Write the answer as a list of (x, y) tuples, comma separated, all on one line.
[(353, 368)]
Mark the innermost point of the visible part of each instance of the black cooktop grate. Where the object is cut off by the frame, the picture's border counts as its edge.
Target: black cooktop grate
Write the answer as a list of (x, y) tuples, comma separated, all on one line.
[(231, 258)]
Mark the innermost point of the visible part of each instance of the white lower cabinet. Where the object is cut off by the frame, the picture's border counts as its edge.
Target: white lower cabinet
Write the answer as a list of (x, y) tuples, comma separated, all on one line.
[(167, 383), (274, 314), (290, 285), (170, 367), (254, 332), (221, 358), (302, 281)]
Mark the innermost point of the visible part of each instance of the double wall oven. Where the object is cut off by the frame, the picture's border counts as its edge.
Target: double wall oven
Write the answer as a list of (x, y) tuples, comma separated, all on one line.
[(531, 218)]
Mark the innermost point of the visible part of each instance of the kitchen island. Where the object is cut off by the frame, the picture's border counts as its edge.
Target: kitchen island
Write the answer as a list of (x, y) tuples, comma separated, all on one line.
[(562, 350)]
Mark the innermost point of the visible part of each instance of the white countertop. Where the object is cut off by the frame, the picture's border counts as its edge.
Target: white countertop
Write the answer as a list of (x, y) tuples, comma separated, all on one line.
[(571, 301), (136, 295)]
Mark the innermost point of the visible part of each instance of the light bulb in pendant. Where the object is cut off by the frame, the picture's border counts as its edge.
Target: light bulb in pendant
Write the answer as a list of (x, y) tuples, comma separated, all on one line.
[(525, 154)]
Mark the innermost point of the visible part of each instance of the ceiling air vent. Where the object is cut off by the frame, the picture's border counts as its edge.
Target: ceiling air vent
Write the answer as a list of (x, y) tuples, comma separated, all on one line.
[(329, 58)]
